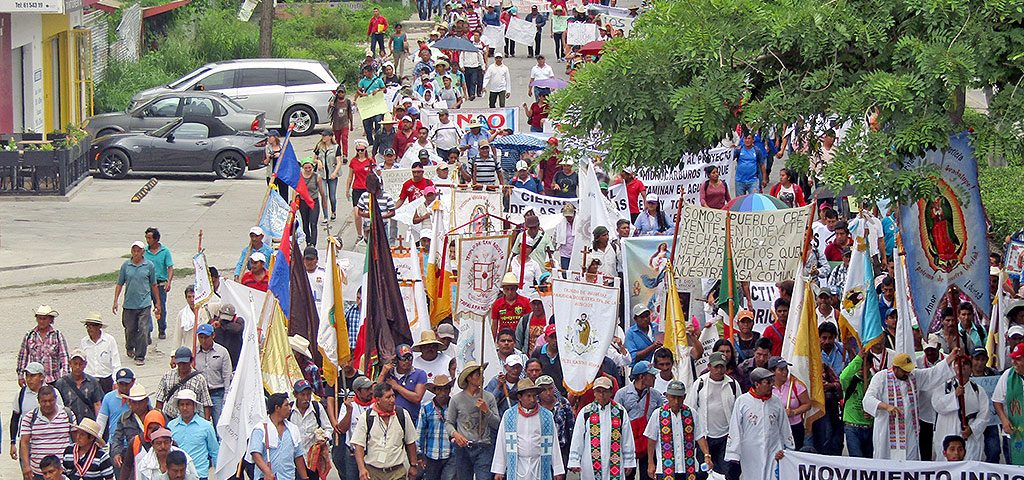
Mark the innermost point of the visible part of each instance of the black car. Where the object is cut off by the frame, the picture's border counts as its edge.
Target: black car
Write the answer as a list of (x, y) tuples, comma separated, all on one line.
[(187, 144)]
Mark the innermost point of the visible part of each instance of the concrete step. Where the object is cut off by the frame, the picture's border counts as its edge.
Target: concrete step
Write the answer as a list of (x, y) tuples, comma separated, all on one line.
[(418, 26)]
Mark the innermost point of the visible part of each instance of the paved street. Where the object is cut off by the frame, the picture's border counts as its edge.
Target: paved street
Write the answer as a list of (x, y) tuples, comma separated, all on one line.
[(43, 242)]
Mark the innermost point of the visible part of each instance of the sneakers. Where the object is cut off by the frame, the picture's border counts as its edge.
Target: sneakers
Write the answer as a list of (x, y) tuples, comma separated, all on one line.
[(140, 362), (162, 336)]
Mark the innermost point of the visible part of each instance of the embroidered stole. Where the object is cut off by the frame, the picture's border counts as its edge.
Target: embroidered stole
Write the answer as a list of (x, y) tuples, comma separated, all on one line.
[(668, 451), (1015, 411), (547, 442), (898, 427), (615, 447)]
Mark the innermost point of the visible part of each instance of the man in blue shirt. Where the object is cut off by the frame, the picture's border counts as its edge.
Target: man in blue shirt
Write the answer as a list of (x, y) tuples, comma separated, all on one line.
[(163, 265), (750, 167), (640, 337), (255, 245), (115, 402), (194, 434), (409, 382), (137, 278), (526, 180), (367, 85), (275, 442)]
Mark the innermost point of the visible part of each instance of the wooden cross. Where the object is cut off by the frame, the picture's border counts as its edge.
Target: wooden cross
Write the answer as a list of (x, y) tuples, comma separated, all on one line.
[(585, 251)]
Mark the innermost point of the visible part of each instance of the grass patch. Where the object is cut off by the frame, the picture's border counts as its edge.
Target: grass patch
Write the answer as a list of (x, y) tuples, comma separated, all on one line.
[(109, 277)]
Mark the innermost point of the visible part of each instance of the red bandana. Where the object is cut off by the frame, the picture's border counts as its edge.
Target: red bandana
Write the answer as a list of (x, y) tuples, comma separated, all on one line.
[(759, 397), (382, 413)]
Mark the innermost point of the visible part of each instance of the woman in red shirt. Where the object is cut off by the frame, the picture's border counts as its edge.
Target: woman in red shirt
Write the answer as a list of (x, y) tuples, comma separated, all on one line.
[(360, 166), (537, 112)]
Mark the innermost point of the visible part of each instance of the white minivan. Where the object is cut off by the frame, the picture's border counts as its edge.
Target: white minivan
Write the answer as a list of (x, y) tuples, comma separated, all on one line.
[(291, 91)]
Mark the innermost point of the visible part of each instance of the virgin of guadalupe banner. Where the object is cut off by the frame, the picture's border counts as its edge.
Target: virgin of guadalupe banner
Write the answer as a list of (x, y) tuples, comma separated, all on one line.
[(945, 235), (482, 262), (585, 318), (643, 269), (469, 204)]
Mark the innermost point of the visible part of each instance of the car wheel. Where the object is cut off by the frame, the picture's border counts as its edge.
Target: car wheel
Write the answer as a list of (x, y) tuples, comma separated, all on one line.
[(304, 119), (229, 165), (109, 131), (113, 163)]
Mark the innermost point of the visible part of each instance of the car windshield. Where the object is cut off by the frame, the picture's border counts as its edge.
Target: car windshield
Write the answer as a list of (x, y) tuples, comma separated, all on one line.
[(188, 78), (163, 130)]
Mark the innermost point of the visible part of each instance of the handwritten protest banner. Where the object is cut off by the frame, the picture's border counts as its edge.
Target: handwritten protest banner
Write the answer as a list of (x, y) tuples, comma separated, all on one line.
[(767, 246), (700, 243), (619, 23), (521, 31), (394, 178), (762, 303), (490, 118), (522, 200), (581, 33), (686, 177), (372, 105), (493, 36)]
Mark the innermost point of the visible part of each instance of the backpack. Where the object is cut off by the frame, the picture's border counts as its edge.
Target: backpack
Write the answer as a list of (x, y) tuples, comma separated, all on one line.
[(70, 414), (732, 385), (399, 411)]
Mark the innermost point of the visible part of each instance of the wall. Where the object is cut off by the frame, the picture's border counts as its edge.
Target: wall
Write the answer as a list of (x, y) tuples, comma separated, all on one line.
[(26, 31)]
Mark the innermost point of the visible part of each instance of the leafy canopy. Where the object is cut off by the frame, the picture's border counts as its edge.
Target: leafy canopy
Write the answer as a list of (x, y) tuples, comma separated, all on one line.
[(696, 69)]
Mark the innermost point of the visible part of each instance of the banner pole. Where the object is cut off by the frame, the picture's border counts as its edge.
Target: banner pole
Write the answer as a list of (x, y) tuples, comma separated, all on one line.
[(195, 310)]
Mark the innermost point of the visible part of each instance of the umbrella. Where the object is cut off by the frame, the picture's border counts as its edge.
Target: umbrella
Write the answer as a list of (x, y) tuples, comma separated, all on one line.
[(551, 83), (455, 43), (519, 142), (592, 48), (755, 202)]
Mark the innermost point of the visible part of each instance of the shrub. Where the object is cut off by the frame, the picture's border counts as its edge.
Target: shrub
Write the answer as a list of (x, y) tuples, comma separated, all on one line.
[(1000, 193)]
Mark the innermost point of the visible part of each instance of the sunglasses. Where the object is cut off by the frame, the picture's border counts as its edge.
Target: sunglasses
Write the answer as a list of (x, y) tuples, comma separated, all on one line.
[(360, 149)]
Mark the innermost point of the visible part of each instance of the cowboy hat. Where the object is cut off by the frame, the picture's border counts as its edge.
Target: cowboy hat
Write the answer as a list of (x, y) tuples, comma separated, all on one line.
[(427, 337), (89, 426), (526, 385), (439, 381), (299, 344), (94, 318), (510, 280), (470, 367), (46, 311)]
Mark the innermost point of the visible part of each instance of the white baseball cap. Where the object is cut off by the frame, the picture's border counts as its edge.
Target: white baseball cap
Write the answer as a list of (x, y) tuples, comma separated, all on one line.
[(651, 197), (513, 360), (256, 231), (258, 257), (139, 244), (522, 165)]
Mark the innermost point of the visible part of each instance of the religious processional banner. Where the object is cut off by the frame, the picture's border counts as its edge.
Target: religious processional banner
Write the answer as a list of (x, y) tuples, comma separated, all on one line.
[(468, 204), (490, 118), (522, 200), (410, 284), (809, 466), (945, 234), (685, 177), (203, 284), (585, 317), (274, 217), (643, 269), (482, 262), (766, 245)]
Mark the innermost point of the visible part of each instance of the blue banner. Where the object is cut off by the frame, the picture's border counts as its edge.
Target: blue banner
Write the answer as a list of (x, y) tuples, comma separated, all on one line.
[(945, 234)]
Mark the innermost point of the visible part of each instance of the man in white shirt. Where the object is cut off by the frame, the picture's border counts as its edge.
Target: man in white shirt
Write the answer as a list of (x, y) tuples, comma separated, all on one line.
[(446, 135), (866, 219), (308, 416), (540, 71), (315, 273), (101, 356), (422, 144), (712, 398), (429, 359), (498, 82)]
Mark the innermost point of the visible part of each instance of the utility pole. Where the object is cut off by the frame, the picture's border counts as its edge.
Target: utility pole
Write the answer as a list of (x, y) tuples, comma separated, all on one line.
[(266, 28)]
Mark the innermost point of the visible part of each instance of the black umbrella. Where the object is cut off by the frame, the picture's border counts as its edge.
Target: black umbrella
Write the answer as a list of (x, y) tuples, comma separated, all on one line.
[(455, 43)]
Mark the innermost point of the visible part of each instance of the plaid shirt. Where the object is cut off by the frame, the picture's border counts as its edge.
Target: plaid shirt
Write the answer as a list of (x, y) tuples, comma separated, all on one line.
[(564, 420), (51, 351), (352, 319), (434, 442)]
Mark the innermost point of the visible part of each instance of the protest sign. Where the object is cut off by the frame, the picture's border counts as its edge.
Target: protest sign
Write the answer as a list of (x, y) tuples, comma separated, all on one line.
[(581, 33), (490, 118), (643, 269), (468, 204), (1014, 260), (481, 263), (684, 178), (809, 466), (393, 179), (945, 234), (524, 6), (493, 36), (762, 303), (708, 337), (585, 318), (625, 24), (522, 201), (372, 105), (203, 284), (988, 384), (767, 246), (521, 31), (598, 9), (700, 243)]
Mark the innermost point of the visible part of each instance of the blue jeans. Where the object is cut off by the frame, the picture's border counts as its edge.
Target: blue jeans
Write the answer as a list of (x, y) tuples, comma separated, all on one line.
[(859, 442), (992, 444), (332, 195), (217, 399), (423, 6), (376, 39), (345, 462), (825, 436), (474, 461), (439, 469), (161, 321), (743, 188)]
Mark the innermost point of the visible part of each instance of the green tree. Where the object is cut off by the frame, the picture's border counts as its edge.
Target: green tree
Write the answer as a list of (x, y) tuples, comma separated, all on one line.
[(696, 69)]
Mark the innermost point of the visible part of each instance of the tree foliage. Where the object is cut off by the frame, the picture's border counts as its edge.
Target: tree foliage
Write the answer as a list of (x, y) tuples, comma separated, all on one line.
[(696, 69)]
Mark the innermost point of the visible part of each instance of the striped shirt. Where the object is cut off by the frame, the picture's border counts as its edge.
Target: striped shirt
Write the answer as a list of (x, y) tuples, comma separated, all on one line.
[(48, 437), (384, 201), (100, 467), (486, 170)]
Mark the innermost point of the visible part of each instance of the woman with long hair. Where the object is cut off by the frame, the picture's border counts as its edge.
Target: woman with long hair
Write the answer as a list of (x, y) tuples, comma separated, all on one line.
[(359, 167), (787, 190), (310, 214), (271, 153), (714, 193), (794, 397), (653, 221), (326, 152)]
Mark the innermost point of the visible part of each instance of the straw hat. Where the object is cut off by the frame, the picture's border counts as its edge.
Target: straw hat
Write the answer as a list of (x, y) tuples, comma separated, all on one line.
[(439, 381), (46, 311), (427, 337), (89, 426), (299, 344), (470, 367), (510, 280), (94, 318), (526, 385)]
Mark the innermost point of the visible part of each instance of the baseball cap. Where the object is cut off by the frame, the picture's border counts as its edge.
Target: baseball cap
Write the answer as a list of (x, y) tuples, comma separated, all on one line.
[(403, 350), (256, 231), (302, 385), (138, 244), (777, 362), (227, 312), (550, 330), (446, 330), (34, 368), (361, 383), (904, 362), (602, 382), (513, 360), (759, 374), (309, 252), (716, 359), (186, 394), (1018, 352), (205, 329), (932, 342), (182, 355), (258, 257), (676, 388), (389, 151), (544, 380), (640, 310), (423, 154), (651, 197), (77, 353), (1015, 330), (640, 368), (498, 55), (979, 350), (124, 375), (430, 188), (522, 165), (745, 315)]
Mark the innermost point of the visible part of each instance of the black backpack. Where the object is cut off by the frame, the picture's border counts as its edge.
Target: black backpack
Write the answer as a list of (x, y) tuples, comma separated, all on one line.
[(399, 411)]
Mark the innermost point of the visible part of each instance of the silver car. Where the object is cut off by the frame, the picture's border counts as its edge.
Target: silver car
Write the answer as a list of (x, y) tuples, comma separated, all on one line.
[(157, 111), (292, 92)]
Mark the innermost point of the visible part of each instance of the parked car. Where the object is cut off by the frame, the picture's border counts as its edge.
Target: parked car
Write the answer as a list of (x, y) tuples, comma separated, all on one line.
[(292, 92), (187, 144), (157, 111)]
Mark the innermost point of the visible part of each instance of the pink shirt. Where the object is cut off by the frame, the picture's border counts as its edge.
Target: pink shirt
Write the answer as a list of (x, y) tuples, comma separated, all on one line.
[(783, 393)]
